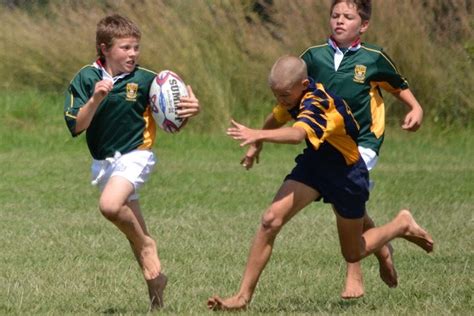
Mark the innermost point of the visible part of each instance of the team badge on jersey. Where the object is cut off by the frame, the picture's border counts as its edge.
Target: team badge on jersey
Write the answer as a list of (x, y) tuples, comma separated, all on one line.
[(132, 89), (359, 73)]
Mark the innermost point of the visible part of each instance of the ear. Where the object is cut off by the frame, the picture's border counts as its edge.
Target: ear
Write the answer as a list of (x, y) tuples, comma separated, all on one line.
[(364, 26), (103, 48), (305, 83)]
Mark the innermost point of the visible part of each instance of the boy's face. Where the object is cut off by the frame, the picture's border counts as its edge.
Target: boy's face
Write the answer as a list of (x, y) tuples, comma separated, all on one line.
[(346, 23), (122, 56), (289, 97)]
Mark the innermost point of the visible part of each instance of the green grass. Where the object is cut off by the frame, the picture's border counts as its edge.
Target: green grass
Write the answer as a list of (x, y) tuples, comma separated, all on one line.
[(59, 256)]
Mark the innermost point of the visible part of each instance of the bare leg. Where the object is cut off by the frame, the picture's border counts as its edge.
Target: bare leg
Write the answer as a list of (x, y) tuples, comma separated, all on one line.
[(356, 245), (289, 200), (128, 218), (354, 287)]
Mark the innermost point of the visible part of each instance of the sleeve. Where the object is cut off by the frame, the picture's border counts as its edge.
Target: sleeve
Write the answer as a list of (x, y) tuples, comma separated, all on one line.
[(313, 120), (388, 76), (281, 114), (77, 94)]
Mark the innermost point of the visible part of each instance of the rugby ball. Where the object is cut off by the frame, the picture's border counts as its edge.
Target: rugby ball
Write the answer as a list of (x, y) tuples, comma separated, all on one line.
[(165, 91)]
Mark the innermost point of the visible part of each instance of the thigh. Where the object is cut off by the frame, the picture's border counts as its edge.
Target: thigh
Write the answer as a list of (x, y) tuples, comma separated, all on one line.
[(291, 198), (117, 191)]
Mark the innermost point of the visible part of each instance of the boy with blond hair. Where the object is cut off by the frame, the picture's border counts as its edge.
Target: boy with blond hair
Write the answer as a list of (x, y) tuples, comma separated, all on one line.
[(330, 168)]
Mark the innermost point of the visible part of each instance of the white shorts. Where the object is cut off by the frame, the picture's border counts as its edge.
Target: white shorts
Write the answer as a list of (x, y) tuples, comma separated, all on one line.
[(370, 158), (134, 166)]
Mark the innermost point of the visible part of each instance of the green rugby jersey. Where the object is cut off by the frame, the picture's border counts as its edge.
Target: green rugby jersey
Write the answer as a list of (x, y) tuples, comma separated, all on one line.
[(362, 72), (123, 121)]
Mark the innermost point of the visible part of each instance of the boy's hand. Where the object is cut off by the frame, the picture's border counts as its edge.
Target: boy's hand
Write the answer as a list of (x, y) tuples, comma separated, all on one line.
[(252, 155), (188, 106), (413, 119), (102, 89), (243, 133)]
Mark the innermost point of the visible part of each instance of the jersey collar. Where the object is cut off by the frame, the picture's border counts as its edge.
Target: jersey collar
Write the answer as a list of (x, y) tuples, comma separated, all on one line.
[(353, 47), (105, 75)]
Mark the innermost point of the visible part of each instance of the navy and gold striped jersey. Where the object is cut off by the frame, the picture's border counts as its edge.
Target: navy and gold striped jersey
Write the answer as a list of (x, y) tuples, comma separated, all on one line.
[(359, 78), (123, 121), (329, 124)]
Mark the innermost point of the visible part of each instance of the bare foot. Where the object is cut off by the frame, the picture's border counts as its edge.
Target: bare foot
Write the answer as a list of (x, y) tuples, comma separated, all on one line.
[(354, 287), (387, 271), (156, 288), (414, 233), (149, 261), (233, 303)]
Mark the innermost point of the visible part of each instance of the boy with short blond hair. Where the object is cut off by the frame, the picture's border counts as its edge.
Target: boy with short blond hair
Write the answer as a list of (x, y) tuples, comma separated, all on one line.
[(330, 168), (109, 100)]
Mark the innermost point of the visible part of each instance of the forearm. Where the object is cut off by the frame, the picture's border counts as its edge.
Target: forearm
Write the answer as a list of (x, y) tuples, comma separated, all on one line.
[(286, 135), (86, 114), (407, 97)]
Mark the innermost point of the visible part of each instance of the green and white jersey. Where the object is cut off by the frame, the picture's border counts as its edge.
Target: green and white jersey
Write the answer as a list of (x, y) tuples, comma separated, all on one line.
[(123, 121), (357, 75)]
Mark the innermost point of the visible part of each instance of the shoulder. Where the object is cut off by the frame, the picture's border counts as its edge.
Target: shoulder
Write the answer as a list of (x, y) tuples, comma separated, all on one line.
[(145, 74), (315, 48), (376, 52), (86, 74)]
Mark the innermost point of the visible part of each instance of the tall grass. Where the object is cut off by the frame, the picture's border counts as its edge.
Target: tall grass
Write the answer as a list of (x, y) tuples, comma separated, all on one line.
[(224, 49)]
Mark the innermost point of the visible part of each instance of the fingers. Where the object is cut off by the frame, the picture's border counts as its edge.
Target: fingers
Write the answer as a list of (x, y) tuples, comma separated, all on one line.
[(188, 106)]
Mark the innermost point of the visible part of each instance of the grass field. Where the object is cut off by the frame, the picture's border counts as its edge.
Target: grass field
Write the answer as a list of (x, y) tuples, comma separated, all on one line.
[(59, 256)]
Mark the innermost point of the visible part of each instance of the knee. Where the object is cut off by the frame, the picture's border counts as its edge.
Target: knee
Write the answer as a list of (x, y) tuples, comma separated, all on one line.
[(271, 223), (109, 209)]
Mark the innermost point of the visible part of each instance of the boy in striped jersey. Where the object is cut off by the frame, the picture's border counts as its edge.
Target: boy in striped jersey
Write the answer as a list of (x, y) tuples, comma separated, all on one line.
[(357, 72), (109, 100), (330, 168)]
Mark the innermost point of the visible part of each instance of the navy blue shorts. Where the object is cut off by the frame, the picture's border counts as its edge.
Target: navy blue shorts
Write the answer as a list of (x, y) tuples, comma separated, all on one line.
[(345, 187)]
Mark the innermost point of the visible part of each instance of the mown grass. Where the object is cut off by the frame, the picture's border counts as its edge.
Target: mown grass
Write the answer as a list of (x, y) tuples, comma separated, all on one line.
[(59, 256)]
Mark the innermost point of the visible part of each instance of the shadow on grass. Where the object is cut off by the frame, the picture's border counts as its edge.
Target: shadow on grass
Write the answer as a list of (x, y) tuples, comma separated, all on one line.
[(114, 310)]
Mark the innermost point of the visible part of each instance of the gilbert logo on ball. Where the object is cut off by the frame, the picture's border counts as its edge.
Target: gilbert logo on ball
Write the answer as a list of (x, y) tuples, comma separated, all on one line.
[(165, 92)]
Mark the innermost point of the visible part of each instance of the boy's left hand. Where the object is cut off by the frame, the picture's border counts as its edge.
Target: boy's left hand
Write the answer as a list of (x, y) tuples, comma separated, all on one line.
[(243, 133), (413, 119), (188, 106)]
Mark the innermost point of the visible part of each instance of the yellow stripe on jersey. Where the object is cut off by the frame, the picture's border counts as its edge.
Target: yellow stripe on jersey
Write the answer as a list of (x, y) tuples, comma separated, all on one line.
[(377, 110), (281, 114), (149, 134)]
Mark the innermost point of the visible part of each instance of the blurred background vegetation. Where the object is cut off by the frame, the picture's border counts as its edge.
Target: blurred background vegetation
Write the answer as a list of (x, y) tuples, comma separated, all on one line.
[(225, 48)]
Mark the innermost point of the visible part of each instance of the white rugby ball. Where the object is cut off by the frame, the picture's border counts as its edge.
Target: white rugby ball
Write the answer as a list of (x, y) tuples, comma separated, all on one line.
[(165, 91)]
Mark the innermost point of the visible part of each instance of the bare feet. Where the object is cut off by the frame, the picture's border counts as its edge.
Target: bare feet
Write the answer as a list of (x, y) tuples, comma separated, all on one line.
[(414, 233), (387, 271), (156, 288), (354, 287), (149, 261), (233, 303)]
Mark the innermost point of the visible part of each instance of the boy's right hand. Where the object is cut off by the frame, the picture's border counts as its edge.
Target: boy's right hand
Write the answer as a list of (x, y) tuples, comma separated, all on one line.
[(252, 155), (101, 89)]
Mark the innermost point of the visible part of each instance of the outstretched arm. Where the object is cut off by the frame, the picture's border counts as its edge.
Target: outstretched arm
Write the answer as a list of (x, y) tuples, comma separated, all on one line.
[(414, 117), (253, 152), (247, 136)]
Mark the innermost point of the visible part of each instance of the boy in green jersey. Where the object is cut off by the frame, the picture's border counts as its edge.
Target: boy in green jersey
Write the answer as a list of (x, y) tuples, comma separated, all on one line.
[(109, 100), (358, 72), (330, 168)]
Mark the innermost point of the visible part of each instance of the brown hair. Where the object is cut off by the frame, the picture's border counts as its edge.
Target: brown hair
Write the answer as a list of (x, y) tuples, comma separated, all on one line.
[(364, 7), (112, 27)]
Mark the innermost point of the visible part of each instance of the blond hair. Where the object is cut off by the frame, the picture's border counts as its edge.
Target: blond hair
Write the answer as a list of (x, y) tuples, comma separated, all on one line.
[(287, 71)]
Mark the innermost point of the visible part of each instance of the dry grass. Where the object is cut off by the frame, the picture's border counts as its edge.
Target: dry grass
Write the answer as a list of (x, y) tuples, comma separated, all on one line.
[(224, 49)]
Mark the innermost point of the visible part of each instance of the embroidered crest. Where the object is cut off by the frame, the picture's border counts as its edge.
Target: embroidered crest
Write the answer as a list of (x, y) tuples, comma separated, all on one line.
[(132, 90), (359, 73)]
